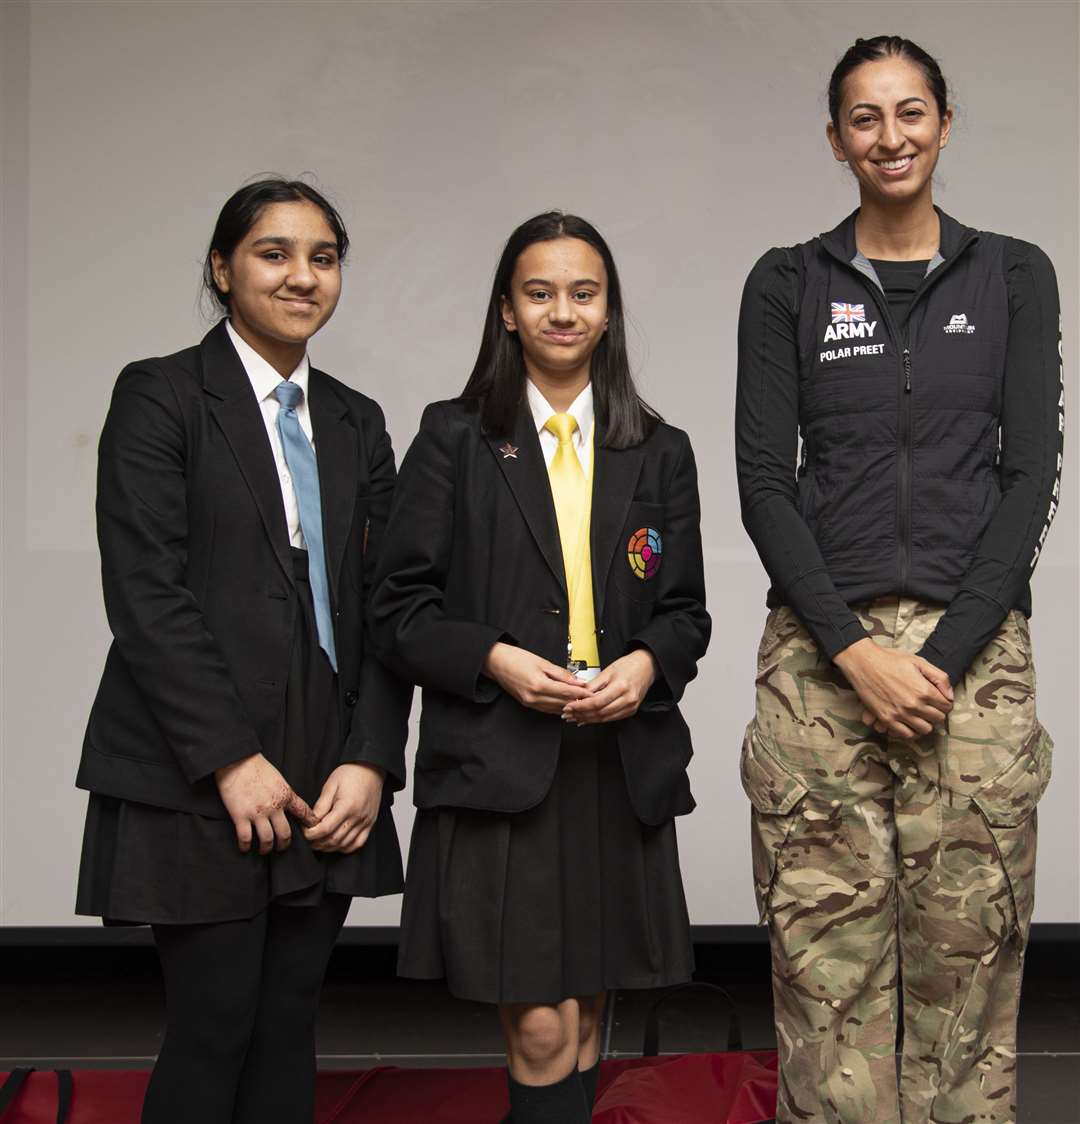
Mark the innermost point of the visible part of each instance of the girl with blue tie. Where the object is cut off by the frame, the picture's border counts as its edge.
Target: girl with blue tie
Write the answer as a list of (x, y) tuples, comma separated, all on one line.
[(244, 741)]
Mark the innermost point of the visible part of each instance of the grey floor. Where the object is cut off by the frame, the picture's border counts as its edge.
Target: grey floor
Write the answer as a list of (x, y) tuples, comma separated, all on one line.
[(102, 1007)]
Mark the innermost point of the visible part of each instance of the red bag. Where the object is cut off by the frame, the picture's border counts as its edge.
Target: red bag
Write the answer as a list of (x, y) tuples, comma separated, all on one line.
[(689, 1089), (731, 1088), (735, 1087)]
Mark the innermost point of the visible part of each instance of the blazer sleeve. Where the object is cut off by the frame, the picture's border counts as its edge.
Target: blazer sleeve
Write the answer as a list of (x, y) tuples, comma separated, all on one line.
[(678, 632), (412, 631), (1032, 435), (766, 455), (159, 628), (380, 721)]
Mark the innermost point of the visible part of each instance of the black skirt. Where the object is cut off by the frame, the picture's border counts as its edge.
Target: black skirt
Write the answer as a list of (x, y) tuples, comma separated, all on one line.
[(143, 864), (571, 898)]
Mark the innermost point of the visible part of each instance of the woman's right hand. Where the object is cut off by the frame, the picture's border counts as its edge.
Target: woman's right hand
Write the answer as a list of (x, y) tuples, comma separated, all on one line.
[(904, 694), (533, 681), (257, 796)]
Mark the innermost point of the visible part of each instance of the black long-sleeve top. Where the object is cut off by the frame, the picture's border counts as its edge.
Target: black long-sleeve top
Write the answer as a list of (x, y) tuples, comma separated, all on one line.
[(1029, 464)]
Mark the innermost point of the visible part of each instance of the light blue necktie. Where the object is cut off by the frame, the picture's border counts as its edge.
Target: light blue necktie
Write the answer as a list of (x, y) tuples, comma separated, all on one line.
[(300, 457)]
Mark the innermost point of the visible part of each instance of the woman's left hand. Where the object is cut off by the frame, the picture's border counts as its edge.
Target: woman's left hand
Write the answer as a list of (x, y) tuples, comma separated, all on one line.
[(349, 806), (615, 693)]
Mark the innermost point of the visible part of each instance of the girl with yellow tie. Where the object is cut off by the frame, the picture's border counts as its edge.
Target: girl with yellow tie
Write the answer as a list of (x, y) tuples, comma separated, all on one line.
[(541, 580)]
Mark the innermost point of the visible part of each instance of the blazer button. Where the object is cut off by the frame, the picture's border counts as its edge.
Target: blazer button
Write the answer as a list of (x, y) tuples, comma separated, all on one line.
[(352, 696)]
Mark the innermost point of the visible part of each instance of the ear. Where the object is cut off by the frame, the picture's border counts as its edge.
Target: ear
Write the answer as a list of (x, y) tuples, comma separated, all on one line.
[(835, 143), (220, 269), (508, 319), (946, 128)]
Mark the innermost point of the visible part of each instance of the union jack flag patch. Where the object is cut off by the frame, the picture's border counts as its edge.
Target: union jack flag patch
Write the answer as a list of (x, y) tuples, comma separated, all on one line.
[(844, 313)]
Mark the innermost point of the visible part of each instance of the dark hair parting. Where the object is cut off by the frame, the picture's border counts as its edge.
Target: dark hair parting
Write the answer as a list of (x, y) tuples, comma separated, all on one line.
[(497, 383), (242, 210), (884, 47)]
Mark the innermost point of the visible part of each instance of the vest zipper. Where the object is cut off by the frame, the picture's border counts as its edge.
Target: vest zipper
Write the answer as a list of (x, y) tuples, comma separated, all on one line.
[(905, 452), (904, 470)]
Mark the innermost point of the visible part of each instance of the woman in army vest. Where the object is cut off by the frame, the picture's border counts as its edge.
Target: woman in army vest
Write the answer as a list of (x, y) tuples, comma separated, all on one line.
[(895, 758)]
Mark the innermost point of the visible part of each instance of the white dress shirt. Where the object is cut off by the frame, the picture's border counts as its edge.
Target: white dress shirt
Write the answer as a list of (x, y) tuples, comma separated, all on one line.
[(582, 411), (264, 380)]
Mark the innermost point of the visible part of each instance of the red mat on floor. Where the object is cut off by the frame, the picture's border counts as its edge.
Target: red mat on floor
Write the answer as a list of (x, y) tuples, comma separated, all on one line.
[(685, 1089)]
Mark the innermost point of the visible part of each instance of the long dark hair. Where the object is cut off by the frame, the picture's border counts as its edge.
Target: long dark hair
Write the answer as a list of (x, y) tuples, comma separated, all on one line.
[(497, 382), (241, 212), (884, 47)]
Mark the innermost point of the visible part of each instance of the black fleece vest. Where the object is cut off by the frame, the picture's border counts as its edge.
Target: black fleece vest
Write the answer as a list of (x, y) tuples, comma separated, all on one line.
[(900, 420)]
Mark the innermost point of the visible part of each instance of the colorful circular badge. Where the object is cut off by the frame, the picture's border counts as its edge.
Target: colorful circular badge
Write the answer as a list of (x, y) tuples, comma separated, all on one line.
[(643, 552)]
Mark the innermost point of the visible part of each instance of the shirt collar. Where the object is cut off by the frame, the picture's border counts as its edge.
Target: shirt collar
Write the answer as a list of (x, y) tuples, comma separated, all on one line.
[(840, 241), (581, 409), (263, 377)]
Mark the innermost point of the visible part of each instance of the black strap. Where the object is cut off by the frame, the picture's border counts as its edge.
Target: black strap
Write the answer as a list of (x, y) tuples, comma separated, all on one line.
[(651, 1046), (10, 1089), (65, 1088)]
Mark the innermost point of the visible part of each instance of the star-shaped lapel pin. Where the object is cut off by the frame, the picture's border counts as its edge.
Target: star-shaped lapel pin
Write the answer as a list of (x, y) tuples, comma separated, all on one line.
[(508, 451)]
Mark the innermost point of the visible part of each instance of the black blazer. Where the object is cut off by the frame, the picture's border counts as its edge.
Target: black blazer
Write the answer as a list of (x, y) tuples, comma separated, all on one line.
[(472, 556), (198, 578)]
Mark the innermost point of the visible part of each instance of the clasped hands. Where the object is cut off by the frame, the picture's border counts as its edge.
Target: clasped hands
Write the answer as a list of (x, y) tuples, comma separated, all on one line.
[(257, 798), (903, 695), (539, 684)]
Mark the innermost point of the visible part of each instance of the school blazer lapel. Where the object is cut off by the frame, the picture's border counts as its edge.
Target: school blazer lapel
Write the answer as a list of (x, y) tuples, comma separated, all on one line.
[(615, 477), (522, 463), (238, 415), (336, 453)]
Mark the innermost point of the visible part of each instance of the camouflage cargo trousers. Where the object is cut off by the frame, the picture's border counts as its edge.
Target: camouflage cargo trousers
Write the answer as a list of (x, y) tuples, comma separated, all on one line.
[(884, 866)]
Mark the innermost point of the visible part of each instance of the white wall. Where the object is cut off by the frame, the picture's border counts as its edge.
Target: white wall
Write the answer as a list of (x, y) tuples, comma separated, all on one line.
[(692, 134)]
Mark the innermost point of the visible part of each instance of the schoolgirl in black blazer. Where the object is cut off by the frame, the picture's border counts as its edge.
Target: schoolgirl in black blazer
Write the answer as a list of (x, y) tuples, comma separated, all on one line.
[(242, 496), (542, 581)]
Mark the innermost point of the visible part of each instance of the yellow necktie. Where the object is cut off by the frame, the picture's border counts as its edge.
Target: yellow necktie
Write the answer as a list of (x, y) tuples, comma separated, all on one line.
[(571, 489)]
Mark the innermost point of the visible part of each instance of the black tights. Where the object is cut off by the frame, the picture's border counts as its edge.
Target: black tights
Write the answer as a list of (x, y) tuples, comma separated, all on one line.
[(241, 999)]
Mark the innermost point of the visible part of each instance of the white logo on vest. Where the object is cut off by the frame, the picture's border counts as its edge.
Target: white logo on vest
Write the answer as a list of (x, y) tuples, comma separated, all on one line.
[(849, 323), (959, 323)]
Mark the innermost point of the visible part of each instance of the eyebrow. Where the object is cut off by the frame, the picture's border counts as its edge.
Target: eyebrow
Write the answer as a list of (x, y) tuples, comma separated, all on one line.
[(550, 285), (280, 240), (870, 104)]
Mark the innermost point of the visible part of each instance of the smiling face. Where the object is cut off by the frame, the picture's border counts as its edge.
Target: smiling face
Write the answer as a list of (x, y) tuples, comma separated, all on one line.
[(557, 304), (890, 132), (284, 279)]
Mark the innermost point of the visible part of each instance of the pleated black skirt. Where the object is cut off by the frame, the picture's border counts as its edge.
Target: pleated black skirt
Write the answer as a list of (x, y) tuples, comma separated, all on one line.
[(571, 898), (143, 864)]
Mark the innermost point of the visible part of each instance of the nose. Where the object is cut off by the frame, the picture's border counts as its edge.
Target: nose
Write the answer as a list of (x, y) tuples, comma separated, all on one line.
[(301, 276), (562, 310), (890, 136)]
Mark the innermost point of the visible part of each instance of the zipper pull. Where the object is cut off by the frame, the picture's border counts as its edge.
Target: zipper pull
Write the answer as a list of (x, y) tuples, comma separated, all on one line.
[(907, 371)]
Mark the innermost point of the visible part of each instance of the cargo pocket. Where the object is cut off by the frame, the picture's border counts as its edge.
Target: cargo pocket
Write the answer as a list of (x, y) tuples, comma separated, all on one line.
[(771, 636), (774, 793), (1007, 803)]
